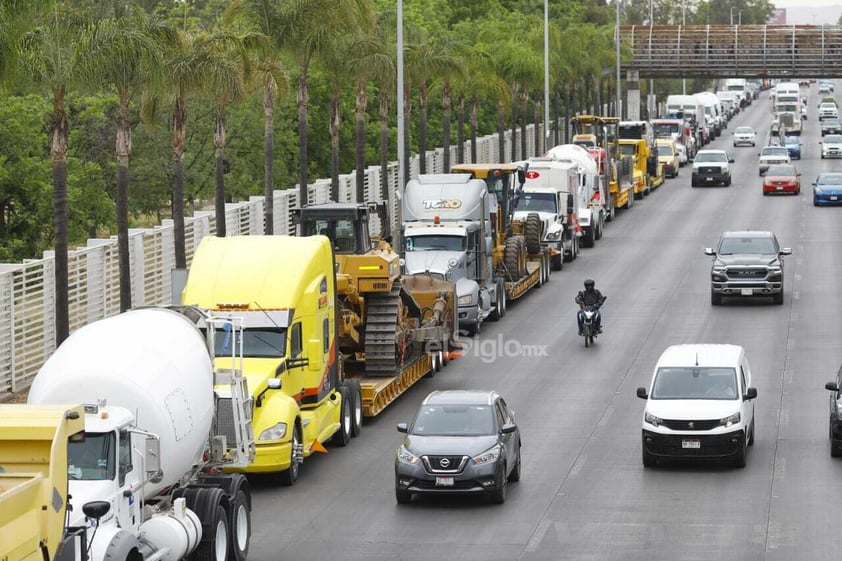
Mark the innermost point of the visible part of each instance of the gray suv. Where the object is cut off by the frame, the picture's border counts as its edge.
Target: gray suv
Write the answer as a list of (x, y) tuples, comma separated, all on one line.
[(460, 441), (747, 264)]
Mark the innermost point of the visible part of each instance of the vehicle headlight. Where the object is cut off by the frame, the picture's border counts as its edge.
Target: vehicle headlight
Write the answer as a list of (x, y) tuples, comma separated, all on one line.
[(554, 236), (466, 300), (652, 419), (275, 432), (775, 269), (817, 190), (489, 456), (730, 421), (406, 457)]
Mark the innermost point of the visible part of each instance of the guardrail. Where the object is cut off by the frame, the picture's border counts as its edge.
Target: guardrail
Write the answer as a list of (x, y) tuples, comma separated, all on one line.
[(27, 290)]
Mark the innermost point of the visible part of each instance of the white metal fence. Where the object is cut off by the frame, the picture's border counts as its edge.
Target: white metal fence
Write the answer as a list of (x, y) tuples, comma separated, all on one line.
[(27, 295)]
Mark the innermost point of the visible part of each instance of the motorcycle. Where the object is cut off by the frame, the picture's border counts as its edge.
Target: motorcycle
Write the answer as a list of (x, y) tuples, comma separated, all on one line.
[(589, 331)]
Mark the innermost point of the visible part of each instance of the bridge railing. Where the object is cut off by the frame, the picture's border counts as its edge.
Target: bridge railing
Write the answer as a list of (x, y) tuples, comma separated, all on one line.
[(733, 50), (27, 290)]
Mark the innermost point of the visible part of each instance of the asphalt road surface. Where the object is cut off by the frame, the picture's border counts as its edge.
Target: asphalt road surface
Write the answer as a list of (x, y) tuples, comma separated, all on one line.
[(584, 493)]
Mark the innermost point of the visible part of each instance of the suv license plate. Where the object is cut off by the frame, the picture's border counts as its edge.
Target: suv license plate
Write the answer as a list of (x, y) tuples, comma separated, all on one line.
[(745, 291), (691, 444), (833, 197), (444, 482)]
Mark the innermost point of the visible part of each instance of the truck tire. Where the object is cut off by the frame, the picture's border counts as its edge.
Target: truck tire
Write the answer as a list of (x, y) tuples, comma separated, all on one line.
[(533, 233), (343, 436), (589, 239), (356, 406), (511, 258), (497, 312), (239, 524), (288, 477), (209, 506)]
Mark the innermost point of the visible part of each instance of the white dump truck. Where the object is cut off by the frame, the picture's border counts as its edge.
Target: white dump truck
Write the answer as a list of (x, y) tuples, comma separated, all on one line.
[(143, 480)]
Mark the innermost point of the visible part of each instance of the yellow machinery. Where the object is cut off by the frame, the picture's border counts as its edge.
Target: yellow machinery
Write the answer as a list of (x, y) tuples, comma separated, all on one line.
[(599, 136), (33, 482), (517, 254), (330, 330), (639, 153)]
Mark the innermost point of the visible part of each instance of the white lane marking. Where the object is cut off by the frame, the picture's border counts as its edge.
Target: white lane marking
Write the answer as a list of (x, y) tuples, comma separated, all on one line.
[(538, 536)]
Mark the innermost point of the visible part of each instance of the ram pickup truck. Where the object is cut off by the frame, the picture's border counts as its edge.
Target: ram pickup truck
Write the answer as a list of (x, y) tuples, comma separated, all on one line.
[(747, 263), (711, 167)]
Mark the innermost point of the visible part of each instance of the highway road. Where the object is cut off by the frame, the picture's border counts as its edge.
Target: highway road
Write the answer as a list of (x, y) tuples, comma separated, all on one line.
[(584, 494)]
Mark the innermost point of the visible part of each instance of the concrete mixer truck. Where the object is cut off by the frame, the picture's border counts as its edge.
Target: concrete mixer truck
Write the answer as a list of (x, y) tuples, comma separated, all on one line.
[(144, 481)]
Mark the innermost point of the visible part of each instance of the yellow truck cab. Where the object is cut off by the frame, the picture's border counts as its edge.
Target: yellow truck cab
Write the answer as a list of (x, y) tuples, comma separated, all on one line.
[(284, 288), (639, 153)]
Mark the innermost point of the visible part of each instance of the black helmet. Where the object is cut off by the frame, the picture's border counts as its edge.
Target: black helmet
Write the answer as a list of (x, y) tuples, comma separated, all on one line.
[(589, 283)]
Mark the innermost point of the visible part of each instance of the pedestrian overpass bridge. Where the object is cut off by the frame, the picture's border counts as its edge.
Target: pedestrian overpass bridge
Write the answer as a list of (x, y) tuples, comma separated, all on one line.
[(745, 51)]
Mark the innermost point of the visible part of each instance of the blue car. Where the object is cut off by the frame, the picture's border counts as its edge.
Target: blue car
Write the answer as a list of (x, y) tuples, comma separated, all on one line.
[(827, 190), (793, 144)]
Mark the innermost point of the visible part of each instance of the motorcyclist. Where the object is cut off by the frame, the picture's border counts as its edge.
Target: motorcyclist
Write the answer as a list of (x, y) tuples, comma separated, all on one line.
[(590, 297)]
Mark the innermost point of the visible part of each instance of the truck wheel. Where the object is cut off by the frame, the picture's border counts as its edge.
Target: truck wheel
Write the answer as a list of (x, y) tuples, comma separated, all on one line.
[(511, 258), (778, 298), (533, 233), (505, 299), (556, 262), (589, 239), (600, 226), (611, 209), (343, 436), (240, 525), (715, 299), (208, 506), (497, 313), (289, 476), (357, 405)]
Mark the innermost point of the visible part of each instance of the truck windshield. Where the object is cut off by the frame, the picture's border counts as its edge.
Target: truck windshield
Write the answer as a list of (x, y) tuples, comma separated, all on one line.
[(263, 342), (703, 157), (537, 202), (436, 243), (628, 149), (695, 382), (666, 130), (664, 150), (749, 246), (92, 459)]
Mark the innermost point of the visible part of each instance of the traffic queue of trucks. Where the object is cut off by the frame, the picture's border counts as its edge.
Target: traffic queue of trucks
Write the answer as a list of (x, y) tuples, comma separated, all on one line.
[(144, 424)]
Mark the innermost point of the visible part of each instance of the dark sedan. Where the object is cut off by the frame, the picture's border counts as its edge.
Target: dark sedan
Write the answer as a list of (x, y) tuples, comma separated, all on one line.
[(793, 144), (462, 442), (835, 415), (831, 126), (827, 189)]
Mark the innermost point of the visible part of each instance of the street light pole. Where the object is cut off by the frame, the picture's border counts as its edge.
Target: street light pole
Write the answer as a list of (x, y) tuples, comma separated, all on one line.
[(546, 77), (651, 23), (683, 23), (617, 110), (400, 97)]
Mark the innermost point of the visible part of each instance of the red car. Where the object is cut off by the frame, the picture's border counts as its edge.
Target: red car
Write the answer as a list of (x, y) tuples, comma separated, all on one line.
[(781, 178)]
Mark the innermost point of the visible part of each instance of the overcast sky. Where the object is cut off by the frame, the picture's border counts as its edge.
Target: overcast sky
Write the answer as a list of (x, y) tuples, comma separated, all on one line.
[(801, 3)]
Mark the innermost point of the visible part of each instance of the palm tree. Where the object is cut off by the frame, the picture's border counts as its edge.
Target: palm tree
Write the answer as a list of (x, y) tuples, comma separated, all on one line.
[(451, 71), (263, 17), (125, 53), (184, 67), (226, 68), (49, 57), (307, 28)]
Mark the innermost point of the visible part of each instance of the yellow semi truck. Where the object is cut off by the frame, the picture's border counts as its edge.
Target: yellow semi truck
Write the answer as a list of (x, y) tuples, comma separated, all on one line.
[(326, 339), (33, 482)]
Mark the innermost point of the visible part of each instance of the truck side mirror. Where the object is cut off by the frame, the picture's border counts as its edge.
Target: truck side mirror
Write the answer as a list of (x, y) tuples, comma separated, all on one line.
[(570, 203), (152, 457)]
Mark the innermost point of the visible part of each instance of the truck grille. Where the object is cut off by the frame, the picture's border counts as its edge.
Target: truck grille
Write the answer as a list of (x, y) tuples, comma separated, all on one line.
[(746, 273), (445, 464), (225, 424), (710, 170), (706, 424)]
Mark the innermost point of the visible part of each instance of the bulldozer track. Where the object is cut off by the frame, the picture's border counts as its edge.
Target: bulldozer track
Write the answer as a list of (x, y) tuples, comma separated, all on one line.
[(381, 332)]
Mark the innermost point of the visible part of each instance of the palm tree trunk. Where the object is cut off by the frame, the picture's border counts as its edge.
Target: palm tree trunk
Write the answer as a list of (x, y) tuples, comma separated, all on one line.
[(384, 144), (359, 135), (474, 127), (536, 119), (268, 158), (515, 110), (422, 128), (460, 129), (59, 128), (303, 100), (501, 129), (556, 109), (407, 111), (334, 146), (124, 149), (524, 101), (219, 172), (179, 118), (446, 106)]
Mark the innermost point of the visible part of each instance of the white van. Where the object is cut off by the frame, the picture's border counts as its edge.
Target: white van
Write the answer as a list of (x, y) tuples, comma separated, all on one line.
[(688, 107), (699, 404)]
